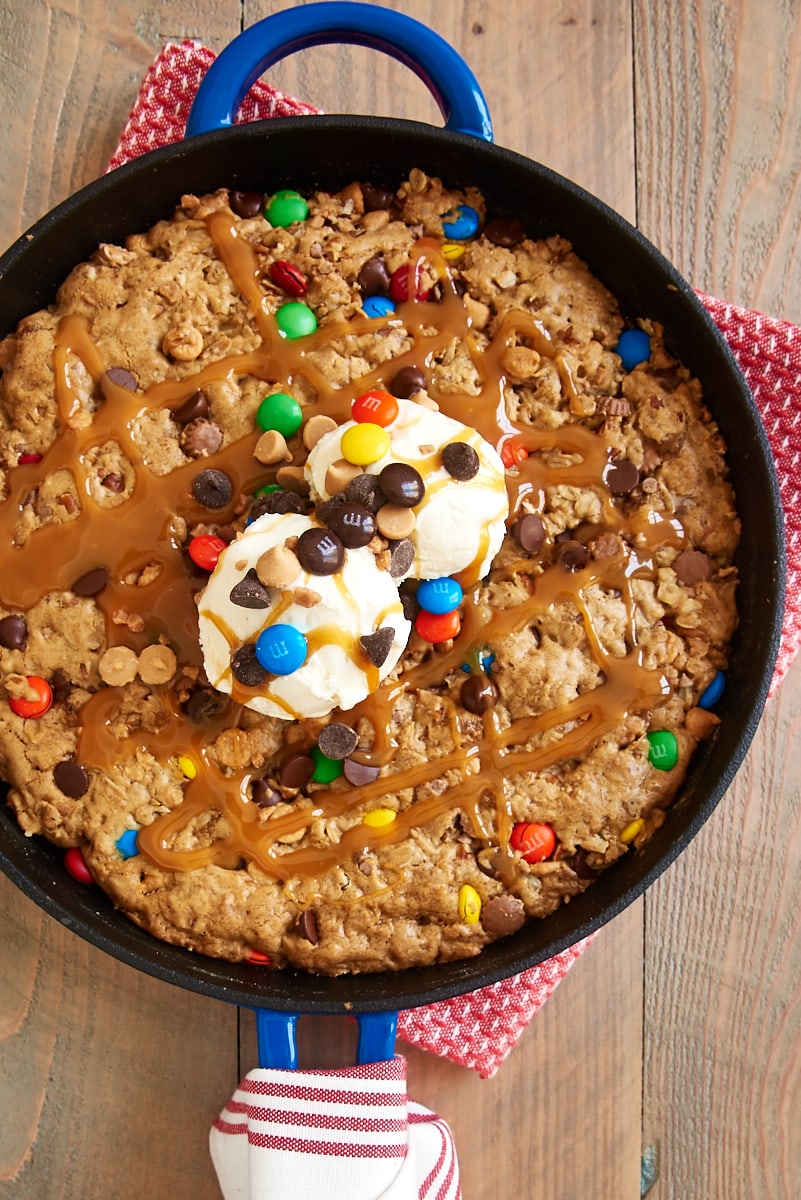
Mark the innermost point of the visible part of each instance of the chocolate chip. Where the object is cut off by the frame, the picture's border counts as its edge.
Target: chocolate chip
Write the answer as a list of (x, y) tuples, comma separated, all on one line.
[(364, 489), (401, 557), (325, 510), (14, 632), (307, 927), (378, 645), (622, 477), (373, 279), (192, 409), (353, 523), (297, 771), (572, 555), (205, 705), (578, 863), (122, 378), (504, 231), (250, 592), (360, 774), (278, 502), (337, 740), (406, 382), (478, 693), (402, 485), (529, 532), (376, 196), (264, 794), (320, 552), (246, 204), (246, 668), (91, 583), (212, 488), (71, 778), (409, 601), (460, 460), (61, 684), (503, 915), (201, 438), (691, 567)]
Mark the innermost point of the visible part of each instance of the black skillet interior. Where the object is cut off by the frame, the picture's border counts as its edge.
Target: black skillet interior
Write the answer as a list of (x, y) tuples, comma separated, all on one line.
[(327, 152)]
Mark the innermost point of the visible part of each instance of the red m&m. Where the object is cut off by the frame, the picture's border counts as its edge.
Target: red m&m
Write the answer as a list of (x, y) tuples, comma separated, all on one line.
[(535, 841), (377, 407), (205, 550), (438, 627), (400, 281), (35, 705)]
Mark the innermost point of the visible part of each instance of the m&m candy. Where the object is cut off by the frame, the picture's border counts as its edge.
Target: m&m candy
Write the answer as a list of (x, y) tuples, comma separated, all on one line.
[(379, 818), (663, 749), (75, 863), (406, 283), (461, 223), (437, 627), (286, 207), (711, 694), (440, 595), (37, 704), (205, 550), (280, 412), (364, 443), (380, 408), (281, 649), (535, 840), (634, 347), (127, 843), (377, 306), (326, 769), (295, 320), (469, 904)]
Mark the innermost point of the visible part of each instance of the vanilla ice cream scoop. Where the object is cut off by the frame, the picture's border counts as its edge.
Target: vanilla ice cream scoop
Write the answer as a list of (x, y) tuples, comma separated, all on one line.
[(297, 635), (460, 521)]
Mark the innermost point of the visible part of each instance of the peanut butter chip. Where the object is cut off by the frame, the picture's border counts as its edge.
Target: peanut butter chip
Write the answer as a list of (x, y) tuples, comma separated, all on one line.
[(183, 343), (272, 448), (118, 666), (395, 522), (277, 567), (293, 479), (339, 475), (315, 428), (157, 664)]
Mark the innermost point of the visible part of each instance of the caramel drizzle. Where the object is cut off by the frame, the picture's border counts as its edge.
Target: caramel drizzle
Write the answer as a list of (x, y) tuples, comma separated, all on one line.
[(140, 532)]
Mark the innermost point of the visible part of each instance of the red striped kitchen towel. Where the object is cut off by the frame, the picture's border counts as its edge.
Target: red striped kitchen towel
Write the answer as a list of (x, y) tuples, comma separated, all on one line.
[(343, 1135)]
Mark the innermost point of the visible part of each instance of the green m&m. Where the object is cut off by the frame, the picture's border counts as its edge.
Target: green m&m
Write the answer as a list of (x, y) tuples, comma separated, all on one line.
[(663, 752), (286, 207), (295, 320), (326, 769), (280, 412)]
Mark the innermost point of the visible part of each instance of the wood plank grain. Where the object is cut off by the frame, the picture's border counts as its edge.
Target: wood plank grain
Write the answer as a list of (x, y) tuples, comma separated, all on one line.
[(718, 105), (110, 1079), (719, 145)]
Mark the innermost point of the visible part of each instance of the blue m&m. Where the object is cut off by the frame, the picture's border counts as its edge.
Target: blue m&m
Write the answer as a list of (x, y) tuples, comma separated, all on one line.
[(634, 347), (281, 649), (377, 306), (711, 694), (127, 844), (461, 223), (439, 595)]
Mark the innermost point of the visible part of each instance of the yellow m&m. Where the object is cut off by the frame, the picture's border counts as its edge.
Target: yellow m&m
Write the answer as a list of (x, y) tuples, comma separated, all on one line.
[(364, 443), (469, 904), (379, 818)]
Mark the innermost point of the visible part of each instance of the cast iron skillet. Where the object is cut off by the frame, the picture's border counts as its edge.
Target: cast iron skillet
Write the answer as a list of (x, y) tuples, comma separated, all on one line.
[(327, 152)]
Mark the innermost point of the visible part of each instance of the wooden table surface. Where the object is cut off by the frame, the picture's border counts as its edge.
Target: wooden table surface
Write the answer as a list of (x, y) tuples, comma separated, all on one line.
[(677, 1035)]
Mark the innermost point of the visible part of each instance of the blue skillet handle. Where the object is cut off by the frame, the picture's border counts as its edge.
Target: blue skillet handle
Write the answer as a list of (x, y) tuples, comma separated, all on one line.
[(278, 1047), (444, 72)]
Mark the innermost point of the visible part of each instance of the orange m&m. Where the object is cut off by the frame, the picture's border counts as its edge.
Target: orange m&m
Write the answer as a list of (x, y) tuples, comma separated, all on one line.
[(33, 706), (381, 408), (535, 841)]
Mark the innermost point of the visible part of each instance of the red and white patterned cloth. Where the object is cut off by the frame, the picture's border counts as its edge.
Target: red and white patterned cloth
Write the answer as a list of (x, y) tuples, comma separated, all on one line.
[(345, 1135), (282, 1130)]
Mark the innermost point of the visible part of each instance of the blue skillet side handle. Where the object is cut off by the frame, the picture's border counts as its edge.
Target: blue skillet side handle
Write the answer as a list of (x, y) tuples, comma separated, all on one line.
[(278, 1047), (444, 72)]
